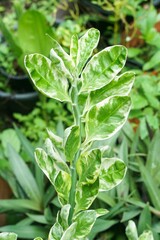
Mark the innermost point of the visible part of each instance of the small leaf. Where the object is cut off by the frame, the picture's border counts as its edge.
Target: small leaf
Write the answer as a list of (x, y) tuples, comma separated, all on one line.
[(106, 118), (62, 54), (112, 173), (147, 235), (58, 62), (69, 233), (131, 231), (144, 222), (85, 195), (55, 232), (45, 76), (8, 236), (88, 167), (72, 142), (63, 185), (64, 215), (46, 164), (74, 49), (86, 44), (85, 221), (103, 67)]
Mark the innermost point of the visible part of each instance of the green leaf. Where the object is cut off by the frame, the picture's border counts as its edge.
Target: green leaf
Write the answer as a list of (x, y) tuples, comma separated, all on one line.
[(147, 235), (55, 232), (46, 77), (131, 231), (112, 173), (32, 29), (153, 62), (62, 185), (18, 205), (10, 39), (8, 236), (106, 118), (151, 185), (72, 142), (88, 167), (31, 231), (9, 136), (23, 175), (120, 86), (85, 221), (85, 195), (86, 44), (145, 220), (37, 218), (103, 67), (38, 238), (29, 149)]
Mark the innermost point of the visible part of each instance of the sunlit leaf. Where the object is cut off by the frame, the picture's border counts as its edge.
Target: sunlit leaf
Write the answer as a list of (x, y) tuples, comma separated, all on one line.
[(112, 173), (103, 67), (46, 77), (106, 118)]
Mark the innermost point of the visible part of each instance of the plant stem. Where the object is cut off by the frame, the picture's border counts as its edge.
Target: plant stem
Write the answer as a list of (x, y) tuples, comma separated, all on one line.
[(77, 119)]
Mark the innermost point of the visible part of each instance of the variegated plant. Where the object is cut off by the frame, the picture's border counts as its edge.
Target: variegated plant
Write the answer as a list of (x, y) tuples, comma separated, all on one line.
[(100, 104)]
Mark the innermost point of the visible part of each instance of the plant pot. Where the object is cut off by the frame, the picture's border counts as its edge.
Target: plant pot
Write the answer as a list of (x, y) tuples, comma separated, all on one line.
[(20, 83), (20, 98), (5, 193), (17, 102)]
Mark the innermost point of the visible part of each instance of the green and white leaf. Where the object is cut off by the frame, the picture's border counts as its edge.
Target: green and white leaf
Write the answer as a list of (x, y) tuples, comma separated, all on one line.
[(70, 232), (86, 44), (64, 215), (119, 86), (85, 221), (8, 236), (85, 195), (71, 142), (46, 163), (106, 118), (58, 62), (57, 140), (112, 173), (56, 232), (46, 77), (89, 166), (103, 67), (62, 185), (62, 54), (131, 231)]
